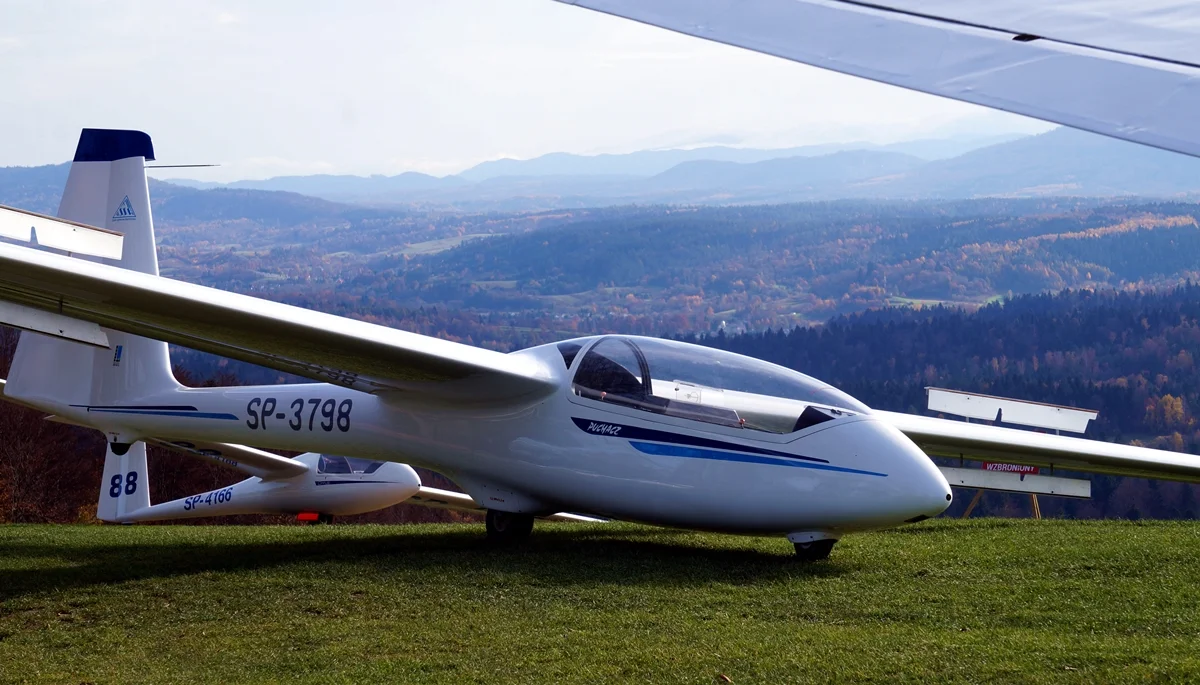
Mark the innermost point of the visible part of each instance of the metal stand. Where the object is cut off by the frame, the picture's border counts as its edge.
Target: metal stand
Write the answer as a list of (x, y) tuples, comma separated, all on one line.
[(971, 506)]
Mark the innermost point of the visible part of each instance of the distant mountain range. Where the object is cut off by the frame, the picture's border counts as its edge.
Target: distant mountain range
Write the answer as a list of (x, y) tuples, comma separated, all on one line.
[(817, 175), (651, 162), (1060, 162), (337, 186)]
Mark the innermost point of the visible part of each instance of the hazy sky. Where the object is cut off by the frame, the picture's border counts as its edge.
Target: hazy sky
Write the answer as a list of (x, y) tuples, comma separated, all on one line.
[(270, 88)]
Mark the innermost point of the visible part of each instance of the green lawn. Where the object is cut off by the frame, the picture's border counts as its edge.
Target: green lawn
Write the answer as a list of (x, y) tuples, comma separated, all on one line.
[(984, 600)]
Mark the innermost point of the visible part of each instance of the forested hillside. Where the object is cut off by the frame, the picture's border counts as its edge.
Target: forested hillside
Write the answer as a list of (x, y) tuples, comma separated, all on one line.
[(661, 268), (655, 269)]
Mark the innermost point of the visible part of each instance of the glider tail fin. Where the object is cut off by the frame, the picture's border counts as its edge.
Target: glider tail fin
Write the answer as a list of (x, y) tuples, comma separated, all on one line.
[(106, 187), (124, 488)]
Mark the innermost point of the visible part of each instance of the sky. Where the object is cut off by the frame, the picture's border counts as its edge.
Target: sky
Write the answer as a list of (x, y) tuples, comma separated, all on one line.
[(436, 86)]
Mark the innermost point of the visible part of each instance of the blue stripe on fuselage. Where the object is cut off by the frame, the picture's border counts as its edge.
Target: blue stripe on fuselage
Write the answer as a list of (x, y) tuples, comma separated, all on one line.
[(619, 430), (699, 453), (158, 412)]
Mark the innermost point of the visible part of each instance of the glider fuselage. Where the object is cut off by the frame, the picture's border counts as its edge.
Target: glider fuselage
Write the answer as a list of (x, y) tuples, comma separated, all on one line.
[(576, 450)]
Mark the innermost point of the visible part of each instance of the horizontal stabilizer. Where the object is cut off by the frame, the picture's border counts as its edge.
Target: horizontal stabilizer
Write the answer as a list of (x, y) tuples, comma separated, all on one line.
[(1019, 412), (1026, 483), (54, 325), (60, 234)]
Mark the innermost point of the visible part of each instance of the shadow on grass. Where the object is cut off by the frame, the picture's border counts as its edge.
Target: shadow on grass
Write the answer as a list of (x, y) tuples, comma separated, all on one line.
[(554, 556)]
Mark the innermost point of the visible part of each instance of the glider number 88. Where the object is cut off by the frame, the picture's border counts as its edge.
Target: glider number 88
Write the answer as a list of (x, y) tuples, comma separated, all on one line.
[(130, 484)]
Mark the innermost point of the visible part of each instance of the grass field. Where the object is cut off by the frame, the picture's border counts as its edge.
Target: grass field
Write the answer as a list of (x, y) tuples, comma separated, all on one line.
[(985, 600), (442, 244)]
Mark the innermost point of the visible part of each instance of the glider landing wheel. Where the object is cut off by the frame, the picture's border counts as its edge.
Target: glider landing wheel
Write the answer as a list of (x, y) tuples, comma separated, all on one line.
[(505, 528), (814, 551), (324, 519)]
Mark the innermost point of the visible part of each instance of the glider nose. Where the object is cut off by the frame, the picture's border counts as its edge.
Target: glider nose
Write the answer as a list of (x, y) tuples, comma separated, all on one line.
[(932, 495), (403, 480), (908, 486), (925, 492)]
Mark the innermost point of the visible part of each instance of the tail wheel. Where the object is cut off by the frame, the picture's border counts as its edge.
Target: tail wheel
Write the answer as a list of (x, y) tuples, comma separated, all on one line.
[(814, 551), (506, 528)]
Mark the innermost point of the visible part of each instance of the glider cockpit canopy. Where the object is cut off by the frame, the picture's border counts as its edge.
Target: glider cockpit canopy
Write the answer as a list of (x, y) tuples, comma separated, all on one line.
[(708, 385), (335, 464)]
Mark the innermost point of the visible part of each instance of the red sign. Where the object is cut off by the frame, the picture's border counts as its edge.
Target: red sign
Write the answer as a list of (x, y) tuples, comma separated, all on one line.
[(1011, 468)]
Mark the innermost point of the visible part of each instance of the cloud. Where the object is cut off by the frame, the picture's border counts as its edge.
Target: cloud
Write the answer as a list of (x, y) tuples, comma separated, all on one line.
[(228, 18)]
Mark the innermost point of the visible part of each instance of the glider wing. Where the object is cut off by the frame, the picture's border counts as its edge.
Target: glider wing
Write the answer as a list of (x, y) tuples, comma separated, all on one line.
[(1130, 70), (947, 438), (412, 368)]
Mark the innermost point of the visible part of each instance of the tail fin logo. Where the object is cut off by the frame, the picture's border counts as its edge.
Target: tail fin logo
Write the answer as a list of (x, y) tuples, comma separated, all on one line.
[(124, 211)]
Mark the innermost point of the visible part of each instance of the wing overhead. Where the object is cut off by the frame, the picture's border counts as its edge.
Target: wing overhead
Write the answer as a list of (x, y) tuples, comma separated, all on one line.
[(1123, 69), (248, 460), (946, 438), (412, 368)]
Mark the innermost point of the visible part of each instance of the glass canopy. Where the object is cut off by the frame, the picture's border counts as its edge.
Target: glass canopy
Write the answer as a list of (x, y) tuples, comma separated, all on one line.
[(704, 384)]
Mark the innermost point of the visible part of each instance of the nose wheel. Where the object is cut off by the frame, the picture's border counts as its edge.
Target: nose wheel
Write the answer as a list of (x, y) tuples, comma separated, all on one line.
[(814, 551), (508, 529), (812, 545)]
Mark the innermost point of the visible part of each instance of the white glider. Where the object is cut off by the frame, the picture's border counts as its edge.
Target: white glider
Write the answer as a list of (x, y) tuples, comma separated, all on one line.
[(315, 487)]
